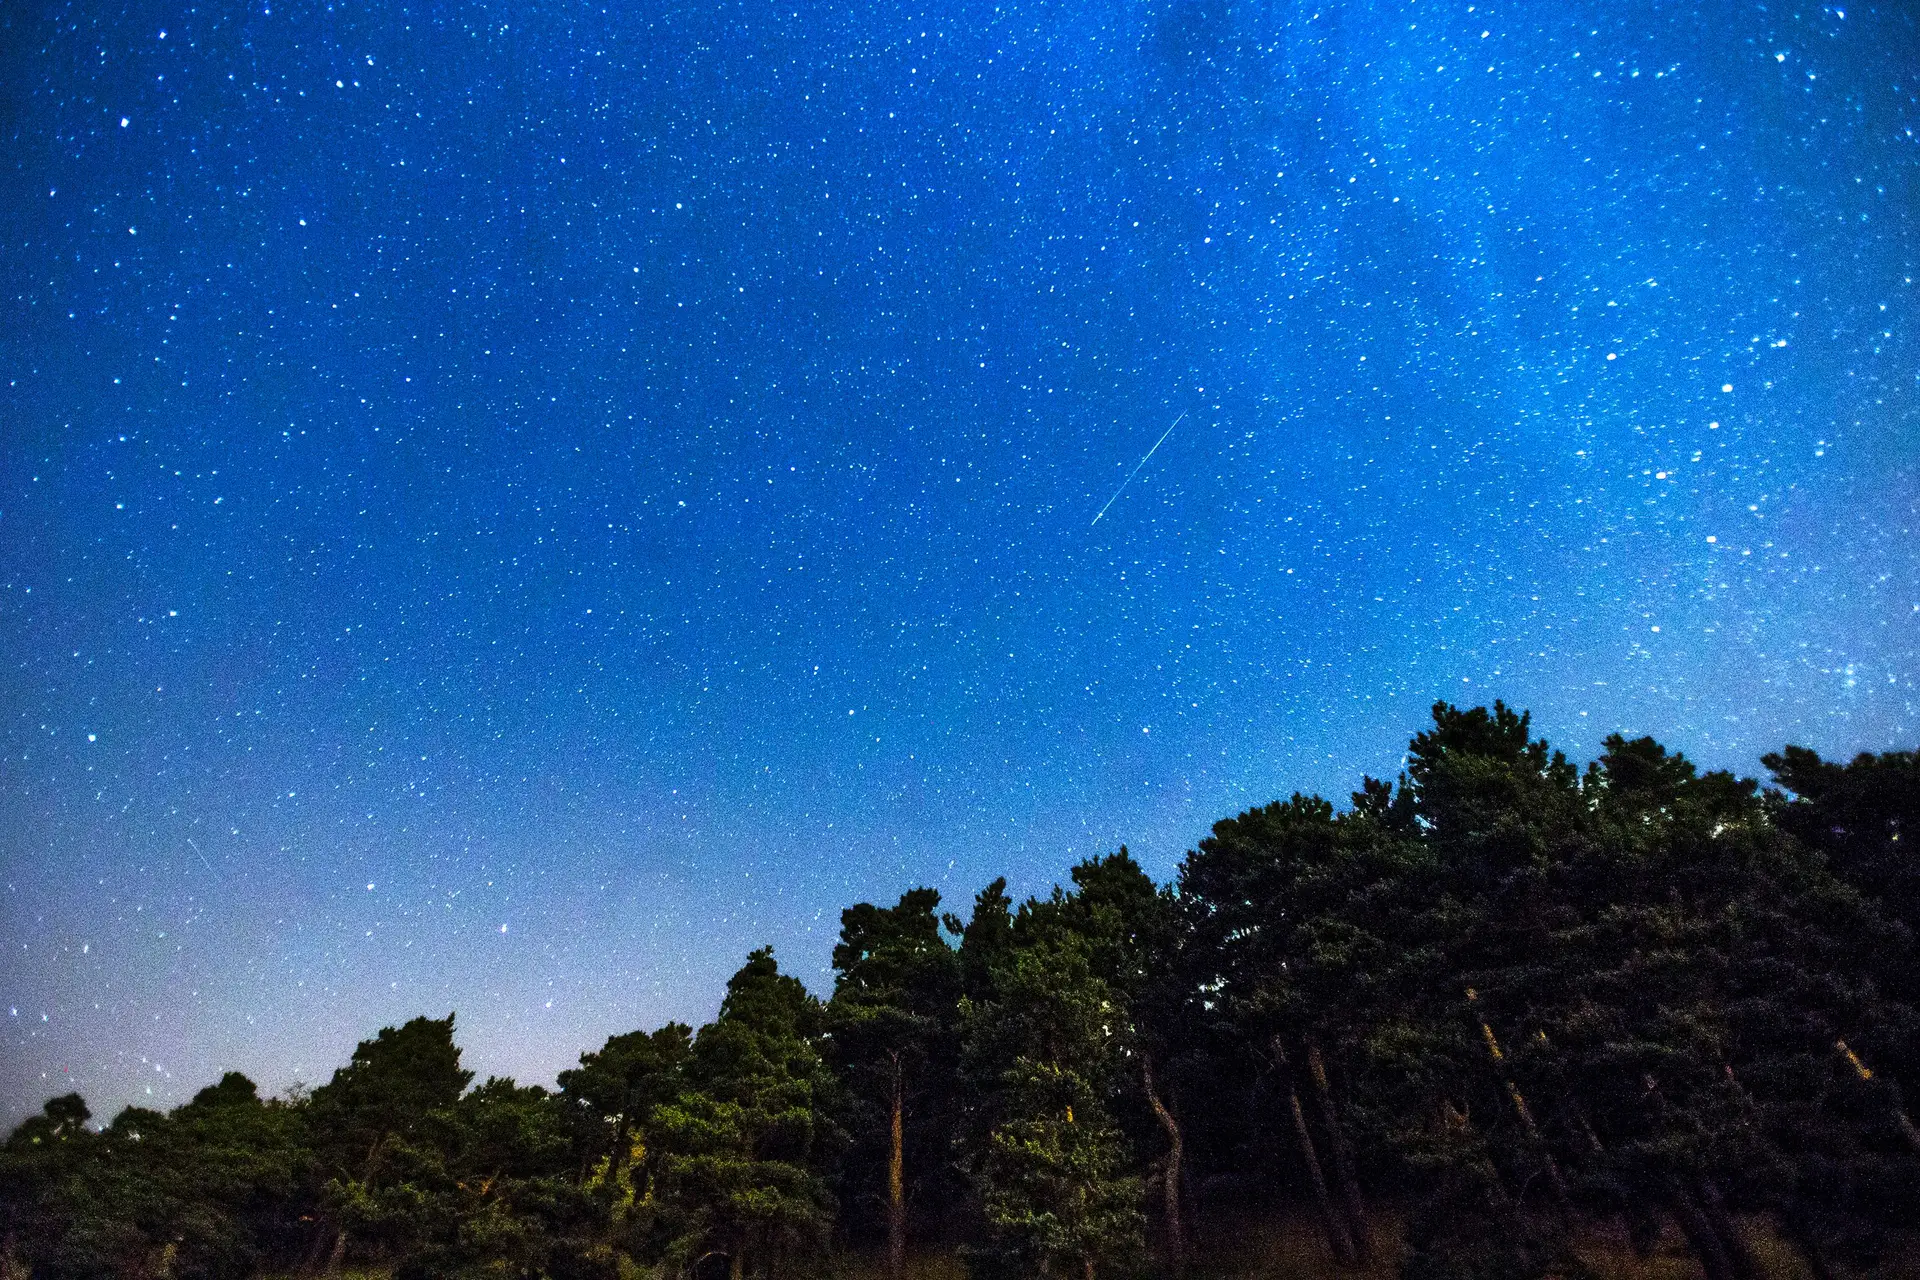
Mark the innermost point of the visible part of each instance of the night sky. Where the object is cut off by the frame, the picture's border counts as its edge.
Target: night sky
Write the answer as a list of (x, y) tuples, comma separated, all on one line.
[(505, 507)]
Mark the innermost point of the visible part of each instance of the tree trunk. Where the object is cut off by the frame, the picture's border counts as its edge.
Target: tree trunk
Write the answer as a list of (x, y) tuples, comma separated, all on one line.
[(1865, 1073), (316, 1252), (1337, 1241), (1739, 1256), (897, 1183), (737, 1265), (1170, 1184), (617, 1159), (1701, 1235), (1350, 1202), (1594, 1145), (1557, 1183), (1086, 1269)]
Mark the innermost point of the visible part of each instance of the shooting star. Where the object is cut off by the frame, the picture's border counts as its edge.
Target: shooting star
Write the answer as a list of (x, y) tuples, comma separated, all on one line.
[(1136, 468), (203, 857)]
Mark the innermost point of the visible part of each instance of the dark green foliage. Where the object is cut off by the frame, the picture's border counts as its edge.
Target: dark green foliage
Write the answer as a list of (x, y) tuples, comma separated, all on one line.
[(383, 1136), (893, 1040), (393, 1083), (619, 1085), (1657, 974), (208, 1191), (1052, 1169), (736, 1172), (1864, 816), (498, 1195), (610, 1099), (449, 1183), (1511, 1000), (984, 938)]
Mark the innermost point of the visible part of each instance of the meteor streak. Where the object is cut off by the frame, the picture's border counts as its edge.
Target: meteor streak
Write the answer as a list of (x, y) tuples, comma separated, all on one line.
[(1136, 468)]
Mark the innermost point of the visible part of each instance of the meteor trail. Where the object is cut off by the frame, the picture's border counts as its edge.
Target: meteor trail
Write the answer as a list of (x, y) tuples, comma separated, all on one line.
[(1136, 468)]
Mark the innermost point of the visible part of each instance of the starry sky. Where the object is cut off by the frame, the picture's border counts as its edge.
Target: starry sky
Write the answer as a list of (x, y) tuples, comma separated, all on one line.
[(505, 507)]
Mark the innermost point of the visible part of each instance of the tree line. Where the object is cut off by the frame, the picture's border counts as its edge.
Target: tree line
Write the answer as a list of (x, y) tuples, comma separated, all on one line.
[(1467, 1020)]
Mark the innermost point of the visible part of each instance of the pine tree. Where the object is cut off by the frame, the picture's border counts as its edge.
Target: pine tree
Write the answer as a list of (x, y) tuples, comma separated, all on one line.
[(893, 1036), (1134, 935), (737, 1174), (610, 1099), (377, 1121), (1052, 1170)]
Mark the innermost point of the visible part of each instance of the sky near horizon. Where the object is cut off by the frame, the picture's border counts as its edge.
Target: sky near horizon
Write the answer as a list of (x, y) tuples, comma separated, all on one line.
[(507, 507)]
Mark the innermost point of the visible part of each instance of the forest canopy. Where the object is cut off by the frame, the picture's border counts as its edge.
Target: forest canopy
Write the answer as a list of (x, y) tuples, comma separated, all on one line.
[(1466, 1024)]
